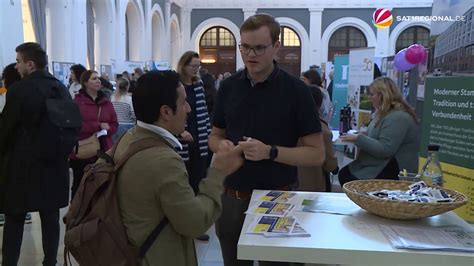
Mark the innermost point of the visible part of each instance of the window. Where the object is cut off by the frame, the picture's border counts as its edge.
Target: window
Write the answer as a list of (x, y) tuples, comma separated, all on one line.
[(226, 38), (412, 35), (217, 50), (209, 38), (344, 39), (289, 37), (217, 36)]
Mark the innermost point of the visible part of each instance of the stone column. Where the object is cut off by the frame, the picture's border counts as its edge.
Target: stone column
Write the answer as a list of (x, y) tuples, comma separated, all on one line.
[(316, 15), (249, 12), (186, 29), (382, 47), (167, 46)]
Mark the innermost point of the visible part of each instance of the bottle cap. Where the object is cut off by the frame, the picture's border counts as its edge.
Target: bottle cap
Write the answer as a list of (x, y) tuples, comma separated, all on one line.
[(433, 147)]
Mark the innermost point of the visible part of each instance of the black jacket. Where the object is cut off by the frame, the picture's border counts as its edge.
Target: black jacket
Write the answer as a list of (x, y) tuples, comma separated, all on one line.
[(31, 181)]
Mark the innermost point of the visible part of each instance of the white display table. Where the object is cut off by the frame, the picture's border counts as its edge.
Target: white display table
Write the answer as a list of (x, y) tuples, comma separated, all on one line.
[(347, 240)]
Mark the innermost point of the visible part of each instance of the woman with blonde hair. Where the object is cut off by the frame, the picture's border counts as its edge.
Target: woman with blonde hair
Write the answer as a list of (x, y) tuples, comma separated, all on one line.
[(195, 137), (123, 107), (392, 138)]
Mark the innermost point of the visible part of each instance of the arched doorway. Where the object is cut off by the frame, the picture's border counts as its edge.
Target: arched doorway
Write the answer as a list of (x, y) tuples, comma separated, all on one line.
[(289, 55), (156, 36), (344, 39), (132, 33), (411, 35), (217, 51)]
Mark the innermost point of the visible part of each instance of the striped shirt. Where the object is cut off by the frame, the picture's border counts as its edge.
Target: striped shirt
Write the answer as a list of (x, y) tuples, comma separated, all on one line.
[(203, 123), (124, 109)]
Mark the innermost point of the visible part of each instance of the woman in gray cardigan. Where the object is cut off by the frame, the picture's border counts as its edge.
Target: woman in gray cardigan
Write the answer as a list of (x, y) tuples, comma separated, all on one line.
[(391, 142)]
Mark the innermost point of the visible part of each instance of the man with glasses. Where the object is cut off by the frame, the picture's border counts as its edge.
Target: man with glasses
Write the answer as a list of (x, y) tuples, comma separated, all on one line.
[(264, 110)]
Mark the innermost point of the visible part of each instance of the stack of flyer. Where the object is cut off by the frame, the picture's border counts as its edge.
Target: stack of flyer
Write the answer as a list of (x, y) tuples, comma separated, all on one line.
[(443, 238), (272, 216)]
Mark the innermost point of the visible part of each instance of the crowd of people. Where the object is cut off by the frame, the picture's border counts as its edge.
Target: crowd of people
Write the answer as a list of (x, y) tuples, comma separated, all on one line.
[(259, 128)]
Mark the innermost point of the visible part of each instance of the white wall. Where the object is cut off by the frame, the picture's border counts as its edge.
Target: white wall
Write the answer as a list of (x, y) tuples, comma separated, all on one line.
[(11, 30), (78, 27), (58, 31)]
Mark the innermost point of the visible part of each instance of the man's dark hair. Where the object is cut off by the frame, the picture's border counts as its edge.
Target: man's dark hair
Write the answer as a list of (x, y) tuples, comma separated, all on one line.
[(10, 75), (155, 89), (31, 51), (78, 69), (317, 95), (106, 84), (313, 76)]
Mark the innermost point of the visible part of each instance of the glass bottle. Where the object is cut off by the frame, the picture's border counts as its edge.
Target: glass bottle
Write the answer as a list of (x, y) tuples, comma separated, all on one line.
[(431, 172)]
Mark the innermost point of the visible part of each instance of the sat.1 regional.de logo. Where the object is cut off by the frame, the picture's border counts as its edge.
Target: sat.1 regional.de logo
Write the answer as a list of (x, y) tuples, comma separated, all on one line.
[(382, 18)]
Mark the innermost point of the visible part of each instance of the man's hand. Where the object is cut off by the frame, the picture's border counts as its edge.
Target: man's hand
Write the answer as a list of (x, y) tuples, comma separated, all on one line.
[(225, 144), (254, 149), (228, 159), (186, 136)]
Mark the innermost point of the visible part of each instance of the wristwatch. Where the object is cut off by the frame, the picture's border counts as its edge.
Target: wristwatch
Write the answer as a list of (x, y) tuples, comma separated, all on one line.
[(273, 153)]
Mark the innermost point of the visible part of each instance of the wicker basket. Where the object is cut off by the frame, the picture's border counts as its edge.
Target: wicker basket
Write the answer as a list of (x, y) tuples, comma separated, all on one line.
[(399, 210)]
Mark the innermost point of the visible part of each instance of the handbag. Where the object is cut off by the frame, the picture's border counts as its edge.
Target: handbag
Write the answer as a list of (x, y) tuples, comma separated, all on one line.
[(88, 147)]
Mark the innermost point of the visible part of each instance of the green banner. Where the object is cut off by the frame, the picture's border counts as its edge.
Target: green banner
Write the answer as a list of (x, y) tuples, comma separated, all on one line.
[(448, 119), (339, 87)]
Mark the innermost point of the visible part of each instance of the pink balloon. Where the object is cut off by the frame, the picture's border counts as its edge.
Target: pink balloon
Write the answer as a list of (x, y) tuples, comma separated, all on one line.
[(415, 54), (400, 61)]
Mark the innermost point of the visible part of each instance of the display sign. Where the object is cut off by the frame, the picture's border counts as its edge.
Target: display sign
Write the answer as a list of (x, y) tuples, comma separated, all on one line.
[(339, 86), (61, 71), (448, 121), (361, 74)]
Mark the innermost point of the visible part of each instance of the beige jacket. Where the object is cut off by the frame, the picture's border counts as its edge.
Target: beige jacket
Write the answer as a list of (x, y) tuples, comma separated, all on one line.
[(154, 183), (312, 178)]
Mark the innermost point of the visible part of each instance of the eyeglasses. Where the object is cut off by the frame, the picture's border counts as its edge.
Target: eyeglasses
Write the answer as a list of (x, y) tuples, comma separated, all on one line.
[(257, 49), (195, 66)]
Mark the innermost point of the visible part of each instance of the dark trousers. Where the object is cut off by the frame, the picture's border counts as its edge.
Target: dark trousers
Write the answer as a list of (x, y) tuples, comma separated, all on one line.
[(13, 236), (77, 173), (196, 166), (228, 228), (389, 172)]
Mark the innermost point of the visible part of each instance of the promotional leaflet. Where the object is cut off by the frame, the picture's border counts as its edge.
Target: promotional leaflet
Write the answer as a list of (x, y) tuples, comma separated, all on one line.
[(271, 226), (270, 208), (278, 196)]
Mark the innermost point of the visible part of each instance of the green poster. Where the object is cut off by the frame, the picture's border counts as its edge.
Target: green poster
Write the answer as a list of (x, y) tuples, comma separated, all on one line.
[(448, 120), (339, 87)]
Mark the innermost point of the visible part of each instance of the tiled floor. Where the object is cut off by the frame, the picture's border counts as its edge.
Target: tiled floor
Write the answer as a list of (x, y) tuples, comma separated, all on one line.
[(208, 252)]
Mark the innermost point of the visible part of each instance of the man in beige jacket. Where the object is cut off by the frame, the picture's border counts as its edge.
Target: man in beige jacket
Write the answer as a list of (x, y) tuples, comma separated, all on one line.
[(153, 184)]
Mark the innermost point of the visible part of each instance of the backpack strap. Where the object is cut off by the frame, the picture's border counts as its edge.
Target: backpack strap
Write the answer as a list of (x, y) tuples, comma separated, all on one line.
[(134, 148), (152, 237)]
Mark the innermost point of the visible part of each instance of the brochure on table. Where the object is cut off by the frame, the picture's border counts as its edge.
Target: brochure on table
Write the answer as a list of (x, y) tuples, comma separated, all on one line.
[(266, 219), (272, 226), (447, 238), (272, 211)]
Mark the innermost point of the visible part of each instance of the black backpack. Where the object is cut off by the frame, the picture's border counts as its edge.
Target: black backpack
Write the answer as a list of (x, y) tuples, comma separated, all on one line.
[(59, 127)]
